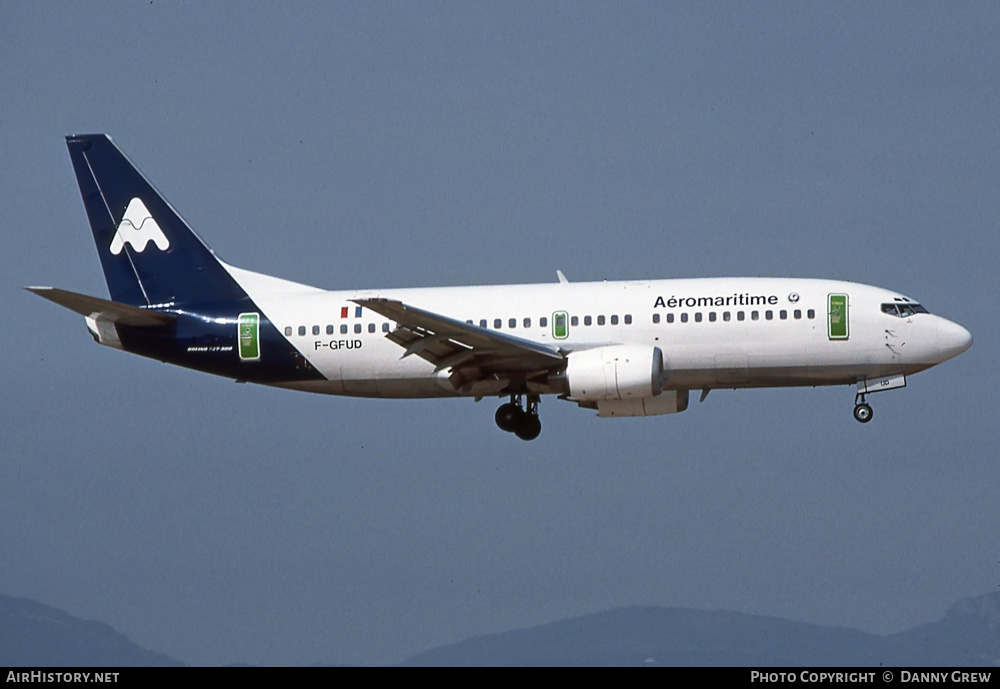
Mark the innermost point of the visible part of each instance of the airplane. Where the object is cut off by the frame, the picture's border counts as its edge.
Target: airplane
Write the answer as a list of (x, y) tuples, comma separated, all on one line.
[(635, 348)]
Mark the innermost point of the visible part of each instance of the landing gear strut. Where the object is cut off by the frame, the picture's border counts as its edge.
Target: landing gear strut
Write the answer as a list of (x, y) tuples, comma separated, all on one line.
[(862, 412), (514, 418)]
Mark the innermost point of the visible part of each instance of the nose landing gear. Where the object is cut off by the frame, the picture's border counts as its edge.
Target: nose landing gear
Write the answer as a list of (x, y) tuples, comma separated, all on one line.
[(513, 418), (867, 386)]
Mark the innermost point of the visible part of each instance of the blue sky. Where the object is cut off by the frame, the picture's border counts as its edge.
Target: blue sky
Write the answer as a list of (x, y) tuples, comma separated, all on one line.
[(419, 144)]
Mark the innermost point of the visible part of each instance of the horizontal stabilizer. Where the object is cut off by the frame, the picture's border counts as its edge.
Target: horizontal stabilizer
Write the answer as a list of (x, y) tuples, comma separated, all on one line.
[(109, 310)]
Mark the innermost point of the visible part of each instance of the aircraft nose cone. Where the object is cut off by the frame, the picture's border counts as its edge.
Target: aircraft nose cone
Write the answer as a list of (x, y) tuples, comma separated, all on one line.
[(953, 339)]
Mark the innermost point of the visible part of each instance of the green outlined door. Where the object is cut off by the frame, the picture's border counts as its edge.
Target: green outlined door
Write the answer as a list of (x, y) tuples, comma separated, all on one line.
[(837, 322), (560, 325), (249, 336)]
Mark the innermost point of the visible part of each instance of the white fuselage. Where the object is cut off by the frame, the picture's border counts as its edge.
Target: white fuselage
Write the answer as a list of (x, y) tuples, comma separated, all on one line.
[(713, 332)]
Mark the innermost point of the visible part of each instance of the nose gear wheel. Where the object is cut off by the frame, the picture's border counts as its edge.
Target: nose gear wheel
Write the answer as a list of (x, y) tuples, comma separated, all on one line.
[(862, 411)]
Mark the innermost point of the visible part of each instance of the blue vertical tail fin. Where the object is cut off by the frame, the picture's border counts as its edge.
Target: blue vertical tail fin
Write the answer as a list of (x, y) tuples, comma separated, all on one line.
[(150, 256)]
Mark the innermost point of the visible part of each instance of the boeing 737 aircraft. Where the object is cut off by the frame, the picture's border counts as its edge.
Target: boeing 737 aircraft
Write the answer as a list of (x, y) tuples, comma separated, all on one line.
[(621, 348)]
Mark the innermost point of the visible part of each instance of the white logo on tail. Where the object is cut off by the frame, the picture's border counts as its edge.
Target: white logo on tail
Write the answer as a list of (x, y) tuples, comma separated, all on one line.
[(137, 229)]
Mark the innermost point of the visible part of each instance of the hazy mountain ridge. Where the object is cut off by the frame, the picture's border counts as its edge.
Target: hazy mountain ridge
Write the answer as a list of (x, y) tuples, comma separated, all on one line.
[(968, 635), (33, 634), (969, 631)]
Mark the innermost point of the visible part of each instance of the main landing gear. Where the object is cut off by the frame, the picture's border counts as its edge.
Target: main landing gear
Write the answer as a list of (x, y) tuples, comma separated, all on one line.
[(514, 418), (862, 412)]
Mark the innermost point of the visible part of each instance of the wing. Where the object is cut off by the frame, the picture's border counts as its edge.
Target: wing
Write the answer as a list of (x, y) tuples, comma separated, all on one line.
[(477, 357)]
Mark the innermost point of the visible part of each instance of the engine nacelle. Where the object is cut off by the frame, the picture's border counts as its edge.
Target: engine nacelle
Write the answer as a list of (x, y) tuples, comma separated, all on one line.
[(615, 372), (670, 402)]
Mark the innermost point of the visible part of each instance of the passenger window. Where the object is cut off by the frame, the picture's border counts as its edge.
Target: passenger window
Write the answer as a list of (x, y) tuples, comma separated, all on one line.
[(527, 322), (684, 317), (656, 319), (725, 316), (769, 315), (288, 331), (811, 313), (711, 316), (740, 316), (357, 328), (385, 327), (329, 330), (587, 320), (614, 320), (628, 319), (497, 323), (670, 318), (755, 316), (783, 315), (482, 322), (600, 320), (302, 330), (574, 320), (371, 327), (343, 329), (797, 313), (544, 322), (512, 323), (697, 317)]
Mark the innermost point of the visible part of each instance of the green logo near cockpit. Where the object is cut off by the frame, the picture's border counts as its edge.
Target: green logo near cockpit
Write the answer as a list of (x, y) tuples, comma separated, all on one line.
[(836, 317), (249, 336)]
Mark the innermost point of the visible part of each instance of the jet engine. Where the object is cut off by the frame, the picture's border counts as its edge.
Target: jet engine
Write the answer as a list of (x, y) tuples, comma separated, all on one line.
[(615, 372)]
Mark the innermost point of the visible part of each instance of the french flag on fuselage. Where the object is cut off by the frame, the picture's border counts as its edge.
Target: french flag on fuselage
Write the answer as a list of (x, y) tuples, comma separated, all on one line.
[(344, 311)]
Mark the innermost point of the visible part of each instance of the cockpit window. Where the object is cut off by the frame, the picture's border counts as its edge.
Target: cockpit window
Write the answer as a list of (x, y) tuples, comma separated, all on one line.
[(903, 309)]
